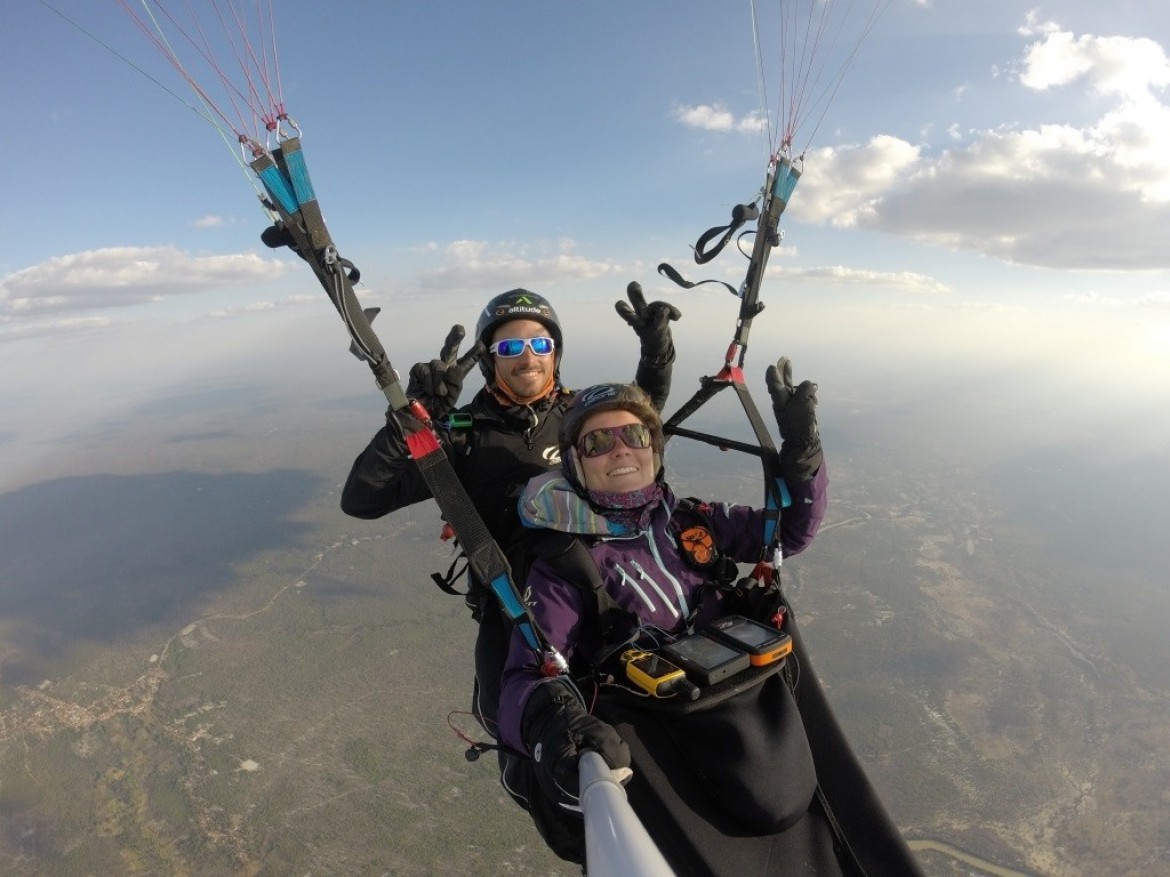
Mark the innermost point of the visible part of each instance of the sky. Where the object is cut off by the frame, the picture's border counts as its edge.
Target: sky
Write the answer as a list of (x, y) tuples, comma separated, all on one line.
[(984, 202)]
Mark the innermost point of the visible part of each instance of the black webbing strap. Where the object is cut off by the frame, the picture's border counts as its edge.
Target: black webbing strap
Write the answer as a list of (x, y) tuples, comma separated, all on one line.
[(778, 186), (669, 271), (484, 557), (302, 223), (455, 572), (740, 214), (286, 180), (602, 617)]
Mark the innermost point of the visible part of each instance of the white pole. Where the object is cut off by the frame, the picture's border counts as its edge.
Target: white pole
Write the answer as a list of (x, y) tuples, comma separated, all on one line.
[(616, 843)]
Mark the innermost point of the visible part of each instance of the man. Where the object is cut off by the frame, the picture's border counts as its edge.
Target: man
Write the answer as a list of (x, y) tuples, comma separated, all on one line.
[(506, 435)]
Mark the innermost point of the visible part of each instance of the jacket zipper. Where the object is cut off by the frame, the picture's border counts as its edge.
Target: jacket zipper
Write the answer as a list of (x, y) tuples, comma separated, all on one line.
[(535, 423)]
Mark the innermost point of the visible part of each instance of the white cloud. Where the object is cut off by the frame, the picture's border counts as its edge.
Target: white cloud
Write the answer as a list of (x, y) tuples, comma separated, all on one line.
[(250, 308), (1157, 300), (124, 276), (48, 328), (907, 281), (209, 221), (477, 265), (1056, 195), (1160, 300), (849, 181), (718, 118), (1122, 66)]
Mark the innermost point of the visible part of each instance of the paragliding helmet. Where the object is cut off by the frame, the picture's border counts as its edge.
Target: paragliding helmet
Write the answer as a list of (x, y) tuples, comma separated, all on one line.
[(607, 397), (516, 304)]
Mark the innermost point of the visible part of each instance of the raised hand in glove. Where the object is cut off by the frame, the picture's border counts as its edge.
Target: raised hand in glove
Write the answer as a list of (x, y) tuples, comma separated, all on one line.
[(795, 408), (556, 728), (652, 324), (438, 383)]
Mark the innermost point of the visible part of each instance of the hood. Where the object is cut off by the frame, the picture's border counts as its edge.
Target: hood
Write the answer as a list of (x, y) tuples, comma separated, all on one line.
[(549, 502)]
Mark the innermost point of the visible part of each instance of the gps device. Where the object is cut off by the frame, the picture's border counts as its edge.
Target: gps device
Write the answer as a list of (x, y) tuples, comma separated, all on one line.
[(705, 660), (764, 644), (656, 675)]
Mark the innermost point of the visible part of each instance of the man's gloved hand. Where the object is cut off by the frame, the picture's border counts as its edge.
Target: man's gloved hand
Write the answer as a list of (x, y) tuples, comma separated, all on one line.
[(795, 408), (651, 322), (556, 727), (438, 383)]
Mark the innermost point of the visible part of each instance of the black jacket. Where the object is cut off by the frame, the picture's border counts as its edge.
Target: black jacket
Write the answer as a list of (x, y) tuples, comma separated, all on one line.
[(494, 458)]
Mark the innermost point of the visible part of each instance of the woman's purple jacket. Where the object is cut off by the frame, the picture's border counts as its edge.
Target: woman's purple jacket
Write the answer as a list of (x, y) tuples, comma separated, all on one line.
[(644, 573)]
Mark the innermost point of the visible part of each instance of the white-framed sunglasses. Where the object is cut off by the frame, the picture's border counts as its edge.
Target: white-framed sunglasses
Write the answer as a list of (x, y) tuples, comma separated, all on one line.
[(509, 348)]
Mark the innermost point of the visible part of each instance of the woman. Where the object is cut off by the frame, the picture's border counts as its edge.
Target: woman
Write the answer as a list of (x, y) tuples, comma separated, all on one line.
[(724, 785)]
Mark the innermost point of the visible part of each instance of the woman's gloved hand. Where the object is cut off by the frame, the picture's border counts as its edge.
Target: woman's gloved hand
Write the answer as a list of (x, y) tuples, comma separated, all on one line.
[(556, 727), (796, 415)]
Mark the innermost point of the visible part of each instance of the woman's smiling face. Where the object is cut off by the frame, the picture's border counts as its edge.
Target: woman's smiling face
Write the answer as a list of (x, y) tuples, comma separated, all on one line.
[(621, 468)]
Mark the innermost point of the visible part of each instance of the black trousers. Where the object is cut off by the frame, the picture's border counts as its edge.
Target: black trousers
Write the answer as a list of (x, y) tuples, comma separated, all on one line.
[(491, 653)]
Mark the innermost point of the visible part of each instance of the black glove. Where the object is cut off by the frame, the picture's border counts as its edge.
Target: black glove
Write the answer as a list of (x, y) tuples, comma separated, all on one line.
[(555, 728), (651, 322), (796, 415), (438, 383)]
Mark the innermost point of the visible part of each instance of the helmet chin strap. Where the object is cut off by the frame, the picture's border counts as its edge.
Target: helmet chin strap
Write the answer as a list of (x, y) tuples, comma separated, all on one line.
[(576, 470)]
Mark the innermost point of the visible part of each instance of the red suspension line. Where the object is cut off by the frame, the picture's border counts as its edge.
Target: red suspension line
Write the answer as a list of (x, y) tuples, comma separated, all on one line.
[(275, 56), (165, 50), (250, 63), (234, 95), (254, 101)]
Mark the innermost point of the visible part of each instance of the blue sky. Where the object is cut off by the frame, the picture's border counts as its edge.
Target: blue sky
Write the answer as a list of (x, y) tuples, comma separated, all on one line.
[(990, 186)]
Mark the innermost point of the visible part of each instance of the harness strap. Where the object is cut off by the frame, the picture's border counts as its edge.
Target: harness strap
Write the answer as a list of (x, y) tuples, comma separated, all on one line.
[(286, 179), (303, 224), (484, 557), (569, 557)]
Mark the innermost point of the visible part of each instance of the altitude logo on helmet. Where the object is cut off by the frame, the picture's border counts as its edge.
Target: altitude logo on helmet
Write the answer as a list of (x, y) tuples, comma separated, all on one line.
[(523, 304), (515, 310)]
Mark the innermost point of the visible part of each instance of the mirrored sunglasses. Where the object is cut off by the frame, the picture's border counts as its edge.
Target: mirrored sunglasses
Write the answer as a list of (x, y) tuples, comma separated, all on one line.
[(513, 347), (601, 441)]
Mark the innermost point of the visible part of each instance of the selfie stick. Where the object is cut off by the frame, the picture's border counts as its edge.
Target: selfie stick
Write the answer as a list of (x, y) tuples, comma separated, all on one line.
[(616, 843)]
